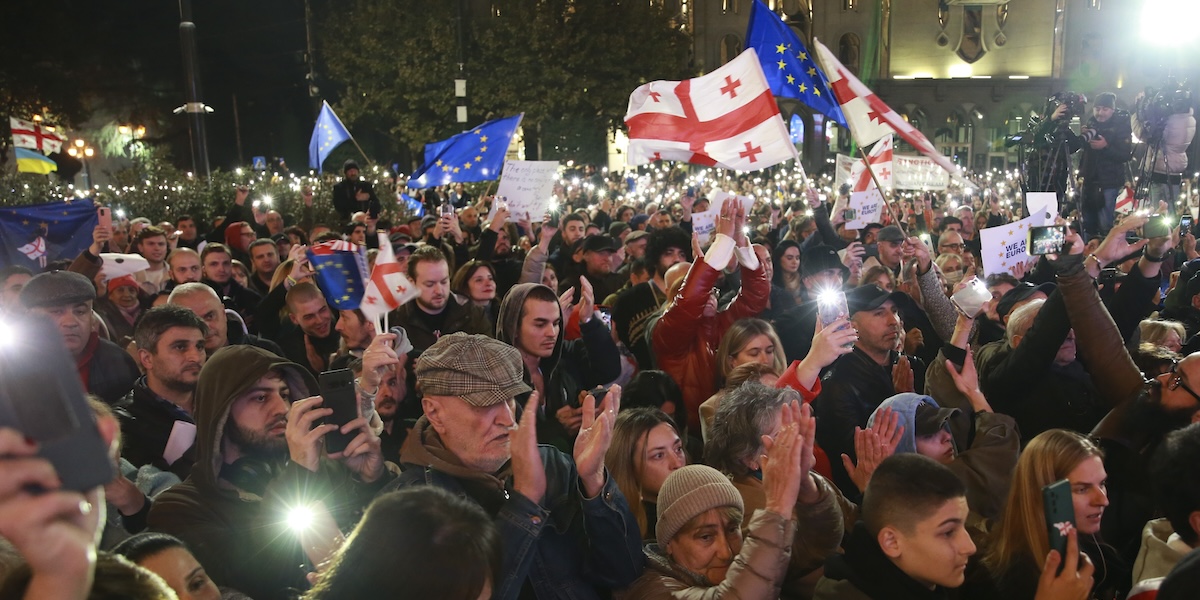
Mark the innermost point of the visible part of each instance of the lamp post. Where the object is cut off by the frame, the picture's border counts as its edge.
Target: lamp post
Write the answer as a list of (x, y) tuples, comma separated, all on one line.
[(79, 149)]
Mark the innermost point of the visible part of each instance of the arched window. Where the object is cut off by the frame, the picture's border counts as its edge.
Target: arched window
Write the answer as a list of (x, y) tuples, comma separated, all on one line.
[(731, 46), (849, 47)]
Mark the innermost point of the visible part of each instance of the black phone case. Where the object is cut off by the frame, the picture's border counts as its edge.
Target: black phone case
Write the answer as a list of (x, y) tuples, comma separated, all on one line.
[(337, 393), (1060, 514)]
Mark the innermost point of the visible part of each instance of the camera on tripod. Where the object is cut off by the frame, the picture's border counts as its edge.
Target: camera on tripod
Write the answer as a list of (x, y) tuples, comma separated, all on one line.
[(1075, 102)]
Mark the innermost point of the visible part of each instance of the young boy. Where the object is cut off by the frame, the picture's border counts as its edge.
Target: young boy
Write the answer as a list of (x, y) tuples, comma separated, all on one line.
[(911, 542)]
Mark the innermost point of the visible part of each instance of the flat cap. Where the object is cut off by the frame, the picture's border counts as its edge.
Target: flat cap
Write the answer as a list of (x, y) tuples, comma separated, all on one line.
[(58, 288), (480, 370)]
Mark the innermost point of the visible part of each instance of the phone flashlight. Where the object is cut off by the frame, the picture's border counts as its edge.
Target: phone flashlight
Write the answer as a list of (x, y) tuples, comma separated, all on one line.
[(299, 518)]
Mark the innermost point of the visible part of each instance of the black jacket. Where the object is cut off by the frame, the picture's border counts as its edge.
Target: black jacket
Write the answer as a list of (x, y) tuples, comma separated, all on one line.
[(864, 571), (462, 315), (111, 372), (1105, 168), (241, 300), (146, 424), (345, 200)]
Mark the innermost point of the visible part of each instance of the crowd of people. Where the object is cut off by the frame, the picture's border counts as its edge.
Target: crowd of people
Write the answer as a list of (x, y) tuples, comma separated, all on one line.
[(602, 404)]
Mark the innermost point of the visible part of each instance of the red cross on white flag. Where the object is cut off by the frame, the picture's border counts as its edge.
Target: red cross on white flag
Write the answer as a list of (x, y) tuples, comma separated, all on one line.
[(27, 134), (869, 117), (727, 118), (881, 162), (389, 287)]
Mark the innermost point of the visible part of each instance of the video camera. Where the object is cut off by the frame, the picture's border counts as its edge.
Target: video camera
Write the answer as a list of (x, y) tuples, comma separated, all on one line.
[(1158, 104), (1075, 102)]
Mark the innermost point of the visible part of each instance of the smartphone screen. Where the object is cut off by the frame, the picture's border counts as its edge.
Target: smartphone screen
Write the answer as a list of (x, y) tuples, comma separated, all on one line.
[(831, 305), (447, 208), (1060, 514), (1046, 240), (605, 315), (337, 393), (1185, 224)]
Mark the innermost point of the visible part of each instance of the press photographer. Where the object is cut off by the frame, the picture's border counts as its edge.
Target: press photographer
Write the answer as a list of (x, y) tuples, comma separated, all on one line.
[(1163, 119), (1109, 146), (1050, 142)]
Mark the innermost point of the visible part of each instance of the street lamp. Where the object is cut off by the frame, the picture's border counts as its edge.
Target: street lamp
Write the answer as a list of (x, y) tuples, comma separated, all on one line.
[(79, 149)]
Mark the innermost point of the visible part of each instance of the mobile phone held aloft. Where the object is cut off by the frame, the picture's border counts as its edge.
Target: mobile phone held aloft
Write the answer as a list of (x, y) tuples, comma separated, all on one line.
[(1046, 240), (337, 393), (1156, 227), (1060, 514), (1185, 224)]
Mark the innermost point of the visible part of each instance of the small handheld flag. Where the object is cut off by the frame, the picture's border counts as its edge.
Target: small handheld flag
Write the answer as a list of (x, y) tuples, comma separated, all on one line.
[(340, 271)]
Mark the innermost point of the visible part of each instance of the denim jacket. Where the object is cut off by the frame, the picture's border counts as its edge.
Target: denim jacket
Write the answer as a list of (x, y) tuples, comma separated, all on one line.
[(568, 547)]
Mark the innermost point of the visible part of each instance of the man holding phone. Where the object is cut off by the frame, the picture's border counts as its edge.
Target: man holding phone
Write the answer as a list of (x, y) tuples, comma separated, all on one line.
[(259, 454), (351, 194)]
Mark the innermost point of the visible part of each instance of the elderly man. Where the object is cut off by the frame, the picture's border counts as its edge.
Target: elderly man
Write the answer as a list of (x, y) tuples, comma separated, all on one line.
[(170, 349), (66, 299), (566, 529), (260, 457), (202, 300)]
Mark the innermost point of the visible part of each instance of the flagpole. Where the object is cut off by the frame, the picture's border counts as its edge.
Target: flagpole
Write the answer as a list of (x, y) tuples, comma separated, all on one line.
[(886, 201), (360, 150)]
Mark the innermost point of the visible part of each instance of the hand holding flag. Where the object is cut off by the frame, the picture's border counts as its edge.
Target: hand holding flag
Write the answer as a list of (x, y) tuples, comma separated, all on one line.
[(388, 287)]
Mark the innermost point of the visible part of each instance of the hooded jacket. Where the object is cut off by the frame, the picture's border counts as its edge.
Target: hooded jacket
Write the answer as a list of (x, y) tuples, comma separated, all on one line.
[(574, 366), (1161, 550), (986, 449), (564, 547), (239, 536)]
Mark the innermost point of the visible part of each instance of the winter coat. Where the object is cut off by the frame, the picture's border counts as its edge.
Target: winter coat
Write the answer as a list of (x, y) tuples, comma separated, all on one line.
[(1025, 383), (235, 533), (864, 572), (147, 422), (565, 547), (574, 366), (685, 343), (819, 530), (756, 573), (462, 315), (1105, 168), (986, 444)]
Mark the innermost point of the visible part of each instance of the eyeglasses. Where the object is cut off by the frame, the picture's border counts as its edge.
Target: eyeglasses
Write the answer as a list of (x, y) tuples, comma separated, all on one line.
[(1177, 381)]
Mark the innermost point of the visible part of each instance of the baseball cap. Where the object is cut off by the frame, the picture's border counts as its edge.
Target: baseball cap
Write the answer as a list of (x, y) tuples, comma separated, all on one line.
[(480, 370), (891, 233), (1021, 293), (820, 258), (600, 243), (869, 297), (928, 419)]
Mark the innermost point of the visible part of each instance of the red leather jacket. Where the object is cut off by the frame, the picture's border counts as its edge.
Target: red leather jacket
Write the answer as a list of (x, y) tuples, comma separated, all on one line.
[(685, 342)]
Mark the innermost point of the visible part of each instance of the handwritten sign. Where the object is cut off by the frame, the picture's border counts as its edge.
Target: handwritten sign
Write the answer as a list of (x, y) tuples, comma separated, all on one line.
[(868, 205), (705, 225), (528, 186)]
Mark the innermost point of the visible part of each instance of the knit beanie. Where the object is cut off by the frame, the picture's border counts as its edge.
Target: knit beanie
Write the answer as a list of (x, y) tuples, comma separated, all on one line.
[(689, 492)]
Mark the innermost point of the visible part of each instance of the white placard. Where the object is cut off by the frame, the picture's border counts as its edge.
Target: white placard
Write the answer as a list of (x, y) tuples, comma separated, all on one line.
[(183, 435), (869, 205), (1004, 247), (527, 186), (704, 224), (1042, 203), (717, 197)]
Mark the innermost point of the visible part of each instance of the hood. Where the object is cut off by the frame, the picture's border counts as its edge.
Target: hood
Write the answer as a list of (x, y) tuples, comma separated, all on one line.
[(424, 447), (904, 405), (508, 323), (229, 372), (1161, 550)]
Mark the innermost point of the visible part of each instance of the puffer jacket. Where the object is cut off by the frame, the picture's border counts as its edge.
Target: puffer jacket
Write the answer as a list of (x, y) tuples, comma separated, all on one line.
[(756, 573), (1171, 156), (685, 342)]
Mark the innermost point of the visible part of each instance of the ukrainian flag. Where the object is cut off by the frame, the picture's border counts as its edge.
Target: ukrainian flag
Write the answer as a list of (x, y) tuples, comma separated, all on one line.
[(32, 161)]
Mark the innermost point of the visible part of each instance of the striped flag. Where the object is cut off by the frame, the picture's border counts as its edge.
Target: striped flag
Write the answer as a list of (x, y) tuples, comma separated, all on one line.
[(388, 287)]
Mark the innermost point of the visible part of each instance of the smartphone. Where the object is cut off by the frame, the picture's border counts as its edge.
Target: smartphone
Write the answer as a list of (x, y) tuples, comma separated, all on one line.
[(849, 214), (831, 305), (598, 393), (337, 393), (1185, 224), (1060, 514), (1156, 227), (1047, 240), (36, 400), (104, 213), (605, 315), (447, 209)]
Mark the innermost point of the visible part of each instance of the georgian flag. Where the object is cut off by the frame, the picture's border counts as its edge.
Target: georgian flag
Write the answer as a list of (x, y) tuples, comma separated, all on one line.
[(27, 134), (881, 162), (870, 118), (727, 118), (388, 287)]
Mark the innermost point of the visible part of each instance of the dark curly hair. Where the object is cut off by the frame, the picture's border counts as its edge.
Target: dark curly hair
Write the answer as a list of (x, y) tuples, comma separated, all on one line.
[(660, 240)]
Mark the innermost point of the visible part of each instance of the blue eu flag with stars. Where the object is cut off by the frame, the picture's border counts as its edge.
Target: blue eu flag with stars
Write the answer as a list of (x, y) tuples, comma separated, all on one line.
[(341, 272), (34, 236), (473, 155), (791, 71), (327, 135)]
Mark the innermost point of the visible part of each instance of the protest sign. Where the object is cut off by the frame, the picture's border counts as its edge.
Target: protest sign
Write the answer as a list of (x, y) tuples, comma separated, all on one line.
[(527, 186), (868, 207), (704, 224), (1042, 203), (1005, 246)]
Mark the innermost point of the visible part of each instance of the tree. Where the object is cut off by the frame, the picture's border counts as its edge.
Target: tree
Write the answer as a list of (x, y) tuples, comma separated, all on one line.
[(567, 63)]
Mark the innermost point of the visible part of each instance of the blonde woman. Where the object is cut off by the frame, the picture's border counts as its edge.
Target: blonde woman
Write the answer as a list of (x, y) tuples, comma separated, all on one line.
[(746, 341), (1167, 334)]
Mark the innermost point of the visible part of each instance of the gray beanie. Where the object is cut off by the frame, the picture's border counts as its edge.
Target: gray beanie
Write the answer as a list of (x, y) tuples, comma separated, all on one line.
[(58, 288), (689, 492)]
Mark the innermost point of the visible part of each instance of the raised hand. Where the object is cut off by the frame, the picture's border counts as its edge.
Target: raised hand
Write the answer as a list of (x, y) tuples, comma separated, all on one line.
[(304, 438), (727, 219), (529, 474), (902, 376), (1074, 582), (967, 382), (364, 454), (870, 451), (587, 300), (782, 468), (1114, 246), (378, 360), (887, 426), (594, 439), (564, 301)]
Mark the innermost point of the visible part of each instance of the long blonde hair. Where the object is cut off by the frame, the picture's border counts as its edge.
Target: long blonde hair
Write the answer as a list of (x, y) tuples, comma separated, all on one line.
[(737, 336), (1021, 534), (626, 456)]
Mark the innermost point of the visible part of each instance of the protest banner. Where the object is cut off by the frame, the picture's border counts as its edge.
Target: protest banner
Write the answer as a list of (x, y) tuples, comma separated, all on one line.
[(868, 207), (527, 186)]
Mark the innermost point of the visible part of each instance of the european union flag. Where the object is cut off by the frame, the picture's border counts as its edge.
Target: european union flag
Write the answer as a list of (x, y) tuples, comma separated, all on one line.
[(474, 155), (34, 236), (326, 136), (341, 272), (414, 205), (791, 71)]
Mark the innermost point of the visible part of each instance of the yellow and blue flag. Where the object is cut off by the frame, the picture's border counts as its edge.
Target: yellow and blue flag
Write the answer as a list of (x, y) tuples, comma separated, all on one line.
[(474, 155), (327, 135), (341, 272), (791, 71), (32, 161)]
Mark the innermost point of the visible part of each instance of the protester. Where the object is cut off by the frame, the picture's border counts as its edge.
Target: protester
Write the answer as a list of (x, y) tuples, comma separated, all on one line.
[(184, 266), (438, 311), (170, 559), (476, 281), (12, 279), (217, 262), (352, 195), (749, 340), (152, 244), (633, 308), (646, 448), (202, 300), (264, 256)]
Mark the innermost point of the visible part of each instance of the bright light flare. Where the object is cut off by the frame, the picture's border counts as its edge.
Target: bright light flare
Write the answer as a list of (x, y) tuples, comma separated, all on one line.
[(827, 296), (1170, 22), (300, 518)]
